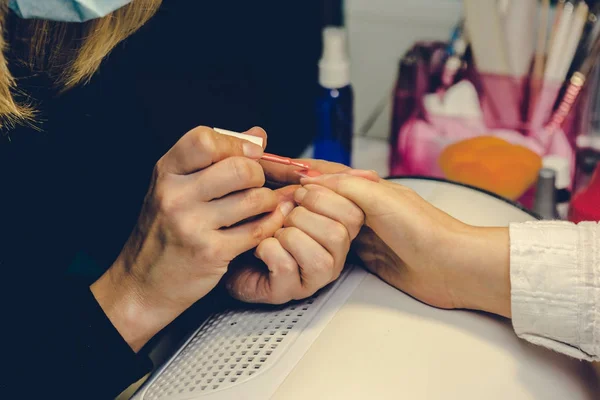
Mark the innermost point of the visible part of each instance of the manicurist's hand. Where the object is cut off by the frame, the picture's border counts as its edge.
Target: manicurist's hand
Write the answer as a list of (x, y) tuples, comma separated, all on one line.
[(421, 250), (206, 205), (308, 253)]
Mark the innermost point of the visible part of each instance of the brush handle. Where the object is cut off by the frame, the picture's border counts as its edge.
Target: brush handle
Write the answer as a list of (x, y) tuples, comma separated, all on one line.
[(557, 52), (486, 34), (520, 35)]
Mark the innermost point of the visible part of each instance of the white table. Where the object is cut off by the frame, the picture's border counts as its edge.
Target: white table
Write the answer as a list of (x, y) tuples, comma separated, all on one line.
[(379, 343)]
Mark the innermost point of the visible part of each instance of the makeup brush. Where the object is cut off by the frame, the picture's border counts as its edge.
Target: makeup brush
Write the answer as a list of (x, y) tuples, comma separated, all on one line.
[(576, 83)]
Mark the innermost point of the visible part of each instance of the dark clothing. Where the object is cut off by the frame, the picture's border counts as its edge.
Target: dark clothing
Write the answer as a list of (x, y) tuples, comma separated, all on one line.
[(72, 191)]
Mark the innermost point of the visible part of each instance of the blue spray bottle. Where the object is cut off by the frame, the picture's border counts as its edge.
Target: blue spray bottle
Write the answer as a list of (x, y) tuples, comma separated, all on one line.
[(335, 112)]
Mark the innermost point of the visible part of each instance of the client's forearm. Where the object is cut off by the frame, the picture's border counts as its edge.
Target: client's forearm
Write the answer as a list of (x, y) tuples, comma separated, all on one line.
[(484, 279)]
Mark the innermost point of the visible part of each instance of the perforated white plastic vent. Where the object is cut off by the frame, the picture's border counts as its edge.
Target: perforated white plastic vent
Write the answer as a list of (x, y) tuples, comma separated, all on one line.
[(229, 349), (237, 347)]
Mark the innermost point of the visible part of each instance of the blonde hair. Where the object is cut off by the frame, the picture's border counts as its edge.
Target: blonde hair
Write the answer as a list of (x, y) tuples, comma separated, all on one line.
[(70, 53)]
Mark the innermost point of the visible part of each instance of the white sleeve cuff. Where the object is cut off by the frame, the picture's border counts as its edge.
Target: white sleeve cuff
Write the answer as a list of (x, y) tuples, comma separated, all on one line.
[(555, 286)]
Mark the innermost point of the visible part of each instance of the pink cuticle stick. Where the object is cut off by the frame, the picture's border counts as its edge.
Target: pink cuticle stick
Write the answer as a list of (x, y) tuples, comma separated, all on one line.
[(259, 142), (284, 160)]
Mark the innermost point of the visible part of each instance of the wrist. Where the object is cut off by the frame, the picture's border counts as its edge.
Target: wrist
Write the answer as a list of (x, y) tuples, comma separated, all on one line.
[(122, 302), (482, 259)]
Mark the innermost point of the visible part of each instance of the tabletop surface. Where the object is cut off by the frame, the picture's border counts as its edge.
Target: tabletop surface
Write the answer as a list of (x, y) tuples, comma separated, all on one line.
[(383, 344)]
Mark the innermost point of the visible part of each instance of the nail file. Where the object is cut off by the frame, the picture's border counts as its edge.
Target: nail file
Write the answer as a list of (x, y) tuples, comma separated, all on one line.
[(486, 33), (520, 35), (254, 139)]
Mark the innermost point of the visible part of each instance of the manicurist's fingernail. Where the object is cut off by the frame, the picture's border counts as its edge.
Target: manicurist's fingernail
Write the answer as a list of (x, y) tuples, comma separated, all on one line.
[(252, 151)]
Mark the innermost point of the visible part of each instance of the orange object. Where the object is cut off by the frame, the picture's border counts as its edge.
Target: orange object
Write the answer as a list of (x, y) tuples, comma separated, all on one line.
[(492, 164)]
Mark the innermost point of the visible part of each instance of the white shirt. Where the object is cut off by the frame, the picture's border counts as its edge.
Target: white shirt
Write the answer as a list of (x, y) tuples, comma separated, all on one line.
[(555, 280)]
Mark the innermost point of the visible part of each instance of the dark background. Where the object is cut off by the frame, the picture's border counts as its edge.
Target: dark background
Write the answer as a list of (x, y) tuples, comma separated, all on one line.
[(75, 188), (230, 64)]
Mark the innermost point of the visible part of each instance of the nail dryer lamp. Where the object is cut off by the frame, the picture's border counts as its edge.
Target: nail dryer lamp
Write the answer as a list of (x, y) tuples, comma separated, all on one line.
[(362, 339)]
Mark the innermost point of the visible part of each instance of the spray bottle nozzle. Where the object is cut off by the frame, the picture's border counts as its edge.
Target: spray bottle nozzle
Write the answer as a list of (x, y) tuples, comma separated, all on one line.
[(334, 66)]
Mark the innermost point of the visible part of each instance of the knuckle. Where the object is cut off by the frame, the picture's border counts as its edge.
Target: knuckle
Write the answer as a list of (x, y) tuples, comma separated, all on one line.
[(264, 248), (160, 173), (167, 202), (255, 200), (288, 234), (158, 168), (335, 182), (313, 197), (322, 264), (326, 262), (343, 184), (287, 267), (339, 235), (184, 232), (258, 233), (203, 139), (251, 200), (356, 220), (295, 216), (243, 169)]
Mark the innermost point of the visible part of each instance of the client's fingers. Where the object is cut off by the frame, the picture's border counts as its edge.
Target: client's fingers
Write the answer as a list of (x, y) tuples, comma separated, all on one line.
[(326, 202), (368, 195), (286, 174), (370, 175)]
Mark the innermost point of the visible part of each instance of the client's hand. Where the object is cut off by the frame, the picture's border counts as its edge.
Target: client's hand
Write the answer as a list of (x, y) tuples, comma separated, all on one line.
[(199, 214), (308, 253), (423, 251)]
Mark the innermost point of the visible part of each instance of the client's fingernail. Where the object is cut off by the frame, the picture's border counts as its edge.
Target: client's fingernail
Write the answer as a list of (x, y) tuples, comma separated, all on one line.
[(301, 173), (308, 173), (299, 195), (252, 151), (286, 208)]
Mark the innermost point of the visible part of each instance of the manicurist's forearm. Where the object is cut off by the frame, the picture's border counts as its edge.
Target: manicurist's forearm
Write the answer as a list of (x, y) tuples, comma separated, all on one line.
[(123, 305)]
